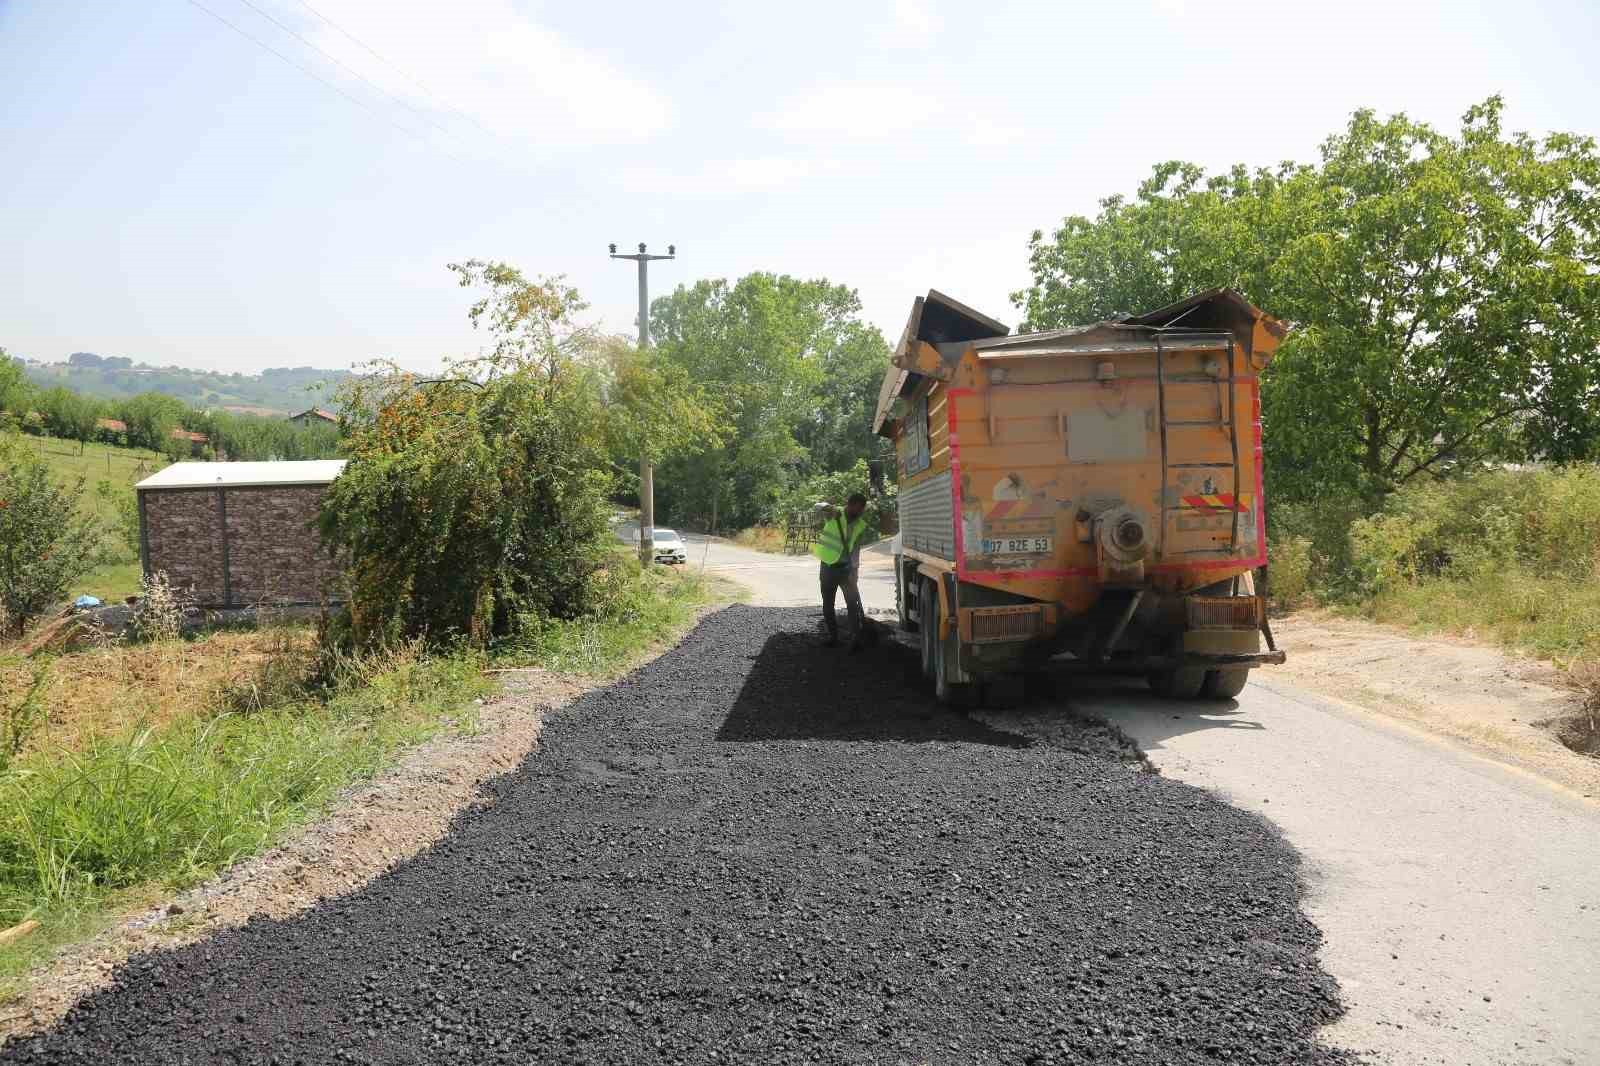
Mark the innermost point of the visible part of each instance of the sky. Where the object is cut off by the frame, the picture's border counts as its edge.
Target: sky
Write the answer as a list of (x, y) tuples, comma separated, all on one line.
[(238, 184)]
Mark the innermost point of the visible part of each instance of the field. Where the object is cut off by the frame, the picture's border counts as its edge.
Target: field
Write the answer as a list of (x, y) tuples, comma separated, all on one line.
[(109, 475)]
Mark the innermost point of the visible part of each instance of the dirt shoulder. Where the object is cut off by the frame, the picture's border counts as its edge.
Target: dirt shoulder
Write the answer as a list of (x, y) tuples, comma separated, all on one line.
[(1500, 704)]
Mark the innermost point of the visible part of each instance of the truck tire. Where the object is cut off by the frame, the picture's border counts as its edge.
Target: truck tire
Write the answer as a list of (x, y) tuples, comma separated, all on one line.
[(1224, 684), (1183, 683), (906, 623), (939, 652)]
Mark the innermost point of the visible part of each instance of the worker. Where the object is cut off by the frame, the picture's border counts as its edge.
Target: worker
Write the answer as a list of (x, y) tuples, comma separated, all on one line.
[(839, 548)]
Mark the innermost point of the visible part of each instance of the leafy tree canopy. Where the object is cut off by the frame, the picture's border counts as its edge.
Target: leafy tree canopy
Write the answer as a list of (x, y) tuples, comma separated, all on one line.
[(794, 373), (1445, 291)]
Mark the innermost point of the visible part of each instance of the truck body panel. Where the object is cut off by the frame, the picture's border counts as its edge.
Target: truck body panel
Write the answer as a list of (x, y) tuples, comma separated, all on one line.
[(1074, 487)]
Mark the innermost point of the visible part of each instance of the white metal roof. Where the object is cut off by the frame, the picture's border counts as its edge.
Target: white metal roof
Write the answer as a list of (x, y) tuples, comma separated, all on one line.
[(230, 475)]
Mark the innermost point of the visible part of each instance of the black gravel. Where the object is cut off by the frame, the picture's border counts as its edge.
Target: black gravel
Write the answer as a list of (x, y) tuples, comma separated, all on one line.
[(757, 850)]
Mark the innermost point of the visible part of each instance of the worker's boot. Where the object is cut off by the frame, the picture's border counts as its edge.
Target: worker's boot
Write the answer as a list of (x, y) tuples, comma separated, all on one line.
[(832, 641)]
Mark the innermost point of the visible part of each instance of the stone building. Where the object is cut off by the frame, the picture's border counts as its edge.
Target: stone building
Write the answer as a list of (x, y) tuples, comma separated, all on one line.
[(239, 534)]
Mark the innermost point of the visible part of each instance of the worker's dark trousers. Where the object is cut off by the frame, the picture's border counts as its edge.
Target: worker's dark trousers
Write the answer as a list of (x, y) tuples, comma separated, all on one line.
[(834, 578)]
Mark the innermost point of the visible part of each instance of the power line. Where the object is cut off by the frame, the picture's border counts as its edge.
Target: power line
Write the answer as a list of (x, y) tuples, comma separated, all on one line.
[(297, 35), (445, 104), (313, 74)]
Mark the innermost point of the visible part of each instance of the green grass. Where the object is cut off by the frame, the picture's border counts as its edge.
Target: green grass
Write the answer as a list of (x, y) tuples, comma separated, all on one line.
[(161, 808), (111, 582), (96, 462), (643, 609), (1549, 617), (117, 574)]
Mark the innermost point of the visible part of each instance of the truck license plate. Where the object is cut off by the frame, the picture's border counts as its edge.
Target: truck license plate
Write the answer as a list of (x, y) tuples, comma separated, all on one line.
[(1018, 545)]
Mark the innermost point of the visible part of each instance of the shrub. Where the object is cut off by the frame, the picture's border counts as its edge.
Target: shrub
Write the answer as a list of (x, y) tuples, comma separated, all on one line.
[(1290, 571), (46, 542), (463, 508), (1547, 520)]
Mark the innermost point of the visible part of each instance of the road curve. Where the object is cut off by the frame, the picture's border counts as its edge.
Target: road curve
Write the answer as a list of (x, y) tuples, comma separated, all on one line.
[(758, 850)]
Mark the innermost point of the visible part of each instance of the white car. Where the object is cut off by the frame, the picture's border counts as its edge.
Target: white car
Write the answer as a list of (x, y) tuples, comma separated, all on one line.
[(668, 547)]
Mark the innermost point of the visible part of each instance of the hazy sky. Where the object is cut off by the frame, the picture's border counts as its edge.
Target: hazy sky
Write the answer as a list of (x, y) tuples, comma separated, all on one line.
[(179, 194)]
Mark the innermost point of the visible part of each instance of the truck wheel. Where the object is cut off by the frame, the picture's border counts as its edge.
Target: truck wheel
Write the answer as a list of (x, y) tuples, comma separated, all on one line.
[(1183, 683), (1224, 684), (944, 690), (900, 595)]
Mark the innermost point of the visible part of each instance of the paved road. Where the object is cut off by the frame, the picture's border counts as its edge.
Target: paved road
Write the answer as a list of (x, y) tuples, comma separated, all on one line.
[(1460, 898), (783, 580), (756, 850)]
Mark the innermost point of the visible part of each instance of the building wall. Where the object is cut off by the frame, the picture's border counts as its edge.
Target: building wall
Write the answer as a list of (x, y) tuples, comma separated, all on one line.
[(265, 535), (180, 534)]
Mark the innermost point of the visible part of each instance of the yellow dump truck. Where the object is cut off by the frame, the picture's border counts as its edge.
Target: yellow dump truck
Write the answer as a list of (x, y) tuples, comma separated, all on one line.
[(1088, 496)]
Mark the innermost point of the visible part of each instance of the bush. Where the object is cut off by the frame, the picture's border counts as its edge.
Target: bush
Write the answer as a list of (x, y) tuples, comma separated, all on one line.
[(632, 608), (1289, 573), (463, 509), (1545, 520), (46, 542)]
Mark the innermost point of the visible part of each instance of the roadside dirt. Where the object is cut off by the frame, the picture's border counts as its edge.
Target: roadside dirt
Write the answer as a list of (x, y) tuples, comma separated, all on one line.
[(375, 826), (1503, 705)]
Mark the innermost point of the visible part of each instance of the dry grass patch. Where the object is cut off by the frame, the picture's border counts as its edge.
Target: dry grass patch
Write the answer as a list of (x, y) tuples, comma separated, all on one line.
[(105, 690), (762, 539)]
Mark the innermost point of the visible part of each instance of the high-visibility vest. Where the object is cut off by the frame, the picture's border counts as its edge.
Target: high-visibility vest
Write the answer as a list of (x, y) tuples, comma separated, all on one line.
[(836, 540)]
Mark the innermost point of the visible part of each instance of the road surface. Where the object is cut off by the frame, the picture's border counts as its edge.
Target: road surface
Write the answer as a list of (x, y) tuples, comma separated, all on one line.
[(758, 850), (782, 580), (1459, 898)]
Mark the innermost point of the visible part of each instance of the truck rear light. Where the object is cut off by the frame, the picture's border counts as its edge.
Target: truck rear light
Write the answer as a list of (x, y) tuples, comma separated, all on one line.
[(1224, 612)]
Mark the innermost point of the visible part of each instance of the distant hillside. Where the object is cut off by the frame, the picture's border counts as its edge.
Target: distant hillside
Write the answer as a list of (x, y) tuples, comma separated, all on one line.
[(280, 390)]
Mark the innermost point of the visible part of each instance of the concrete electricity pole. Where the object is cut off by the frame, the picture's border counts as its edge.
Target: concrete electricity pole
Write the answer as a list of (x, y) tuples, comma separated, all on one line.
[(647, 483)]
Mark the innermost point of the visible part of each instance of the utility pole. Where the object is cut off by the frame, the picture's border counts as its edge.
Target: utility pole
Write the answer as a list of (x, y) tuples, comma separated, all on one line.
[(647, 482)]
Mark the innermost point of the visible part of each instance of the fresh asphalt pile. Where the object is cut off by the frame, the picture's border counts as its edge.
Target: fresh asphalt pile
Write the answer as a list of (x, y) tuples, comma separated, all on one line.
[(759, 850)]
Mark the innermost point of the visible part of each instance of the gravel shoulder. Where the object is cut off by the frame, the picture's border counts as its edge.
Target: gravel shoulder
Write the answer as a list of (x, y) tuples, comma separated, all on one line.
[(1497, 703), (756, 850)]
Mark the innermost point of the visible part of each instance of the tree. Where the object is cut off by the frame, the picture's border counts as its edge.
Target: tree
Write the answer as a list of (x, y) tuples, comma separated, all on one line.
[(14, 387), (67, 414), (476, 504), (46, 542), (652, 406), (1445, 292), (151, 417), (790, 365)]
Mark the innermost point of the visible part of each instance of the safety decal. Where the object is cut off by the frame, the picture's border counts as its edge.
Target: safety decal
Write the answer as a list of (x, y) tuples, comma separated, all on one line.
[(1214, 502)]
